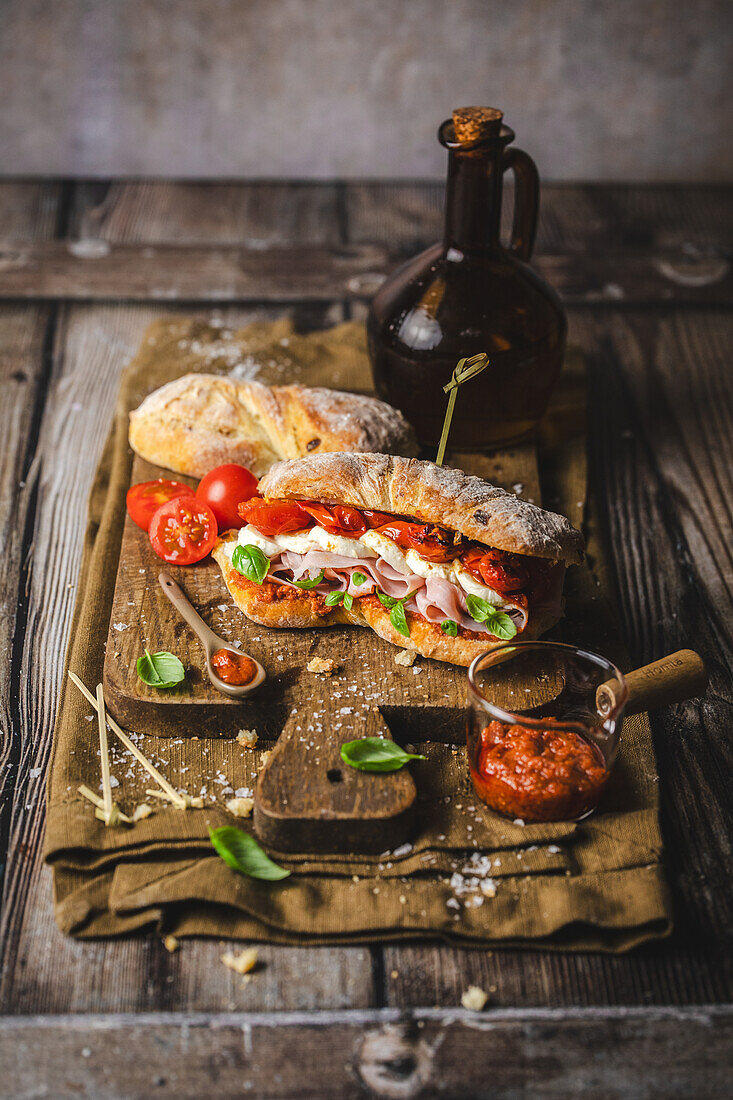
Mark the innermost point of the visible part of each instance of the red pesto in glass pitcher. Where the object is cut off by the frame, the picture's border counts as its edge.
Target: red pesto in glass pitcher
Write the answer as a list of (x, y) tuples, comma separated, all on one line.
[(547, 774), (538, 747)]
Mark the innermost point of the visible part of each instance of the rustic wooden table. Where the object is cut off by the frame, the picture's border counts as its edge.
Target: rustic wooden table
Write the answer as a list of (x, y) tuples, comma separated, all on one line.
[(645, 275)]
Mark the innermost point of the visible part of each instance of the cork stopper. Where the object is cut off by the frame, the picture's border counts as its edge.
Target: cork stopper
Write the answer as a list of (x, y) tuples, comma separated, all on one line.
[(474, 123)]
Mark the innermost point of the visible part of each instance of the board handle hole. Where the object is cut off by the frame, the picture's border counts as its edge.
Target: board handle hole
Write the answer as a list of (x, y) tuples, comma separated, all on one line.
[(334, 775)]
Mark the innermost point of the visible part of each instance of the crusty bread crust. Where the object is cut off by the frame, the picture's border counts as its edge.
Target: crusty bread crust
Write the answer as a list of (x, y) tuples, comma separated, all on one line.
[(199, 421), (306, 609), (432, 494)]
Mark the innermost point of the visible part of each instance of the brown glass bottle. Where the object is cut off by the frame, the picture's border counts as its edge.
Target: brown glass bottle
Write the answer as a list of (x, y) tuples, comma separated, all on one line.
[(470, 294)]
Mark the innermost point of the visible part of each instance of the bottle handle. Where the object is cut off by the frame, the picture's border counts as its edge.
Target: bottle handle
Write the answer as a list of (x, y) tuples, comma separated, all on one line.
[(526, 201)]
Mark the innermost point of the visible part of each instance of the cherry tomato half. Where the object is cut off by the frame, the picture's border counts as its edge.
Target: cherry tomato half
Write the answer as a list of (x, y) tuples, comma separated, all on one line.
[(337, 519), (144, 500), (430, 541), (504, 572), (275, 517), (223, 488), (183, 531)]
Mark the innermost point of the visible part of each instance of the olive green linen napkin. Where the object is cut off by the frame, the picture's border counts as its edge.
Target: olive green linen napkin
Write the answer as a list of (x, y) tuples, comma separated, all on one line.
[(469, 875)]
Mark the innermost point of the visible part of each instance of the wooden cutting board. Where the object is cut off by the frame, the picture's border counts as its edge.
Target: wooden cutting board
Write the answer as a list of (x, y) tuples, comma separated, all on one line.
[(306, 799)]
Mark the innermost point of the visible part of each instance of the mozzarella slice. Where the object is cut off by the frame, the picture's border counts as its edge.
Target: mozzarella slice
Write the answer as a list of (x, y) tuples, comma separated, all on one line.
[(423, 568), (468, 583), (250, 536), (383, 547), (300, 542), (315, 538)]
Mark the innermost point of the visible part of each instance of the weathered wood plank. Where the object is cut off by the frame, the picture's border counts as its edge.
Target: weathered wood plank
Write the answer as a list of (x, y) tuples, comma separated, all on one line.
[(660, 439), (40, 969), (155, 212), (93, 269), (28, 211), (23, 363), (671, 974), (620, 1055), (31, 210), (573, 217)]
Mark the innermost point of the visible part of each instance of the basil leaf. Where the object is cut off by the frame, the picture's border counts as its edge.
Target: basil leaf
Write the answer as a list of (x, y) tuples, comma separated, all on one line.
[(498, 623), (251, 562), (358, 578), (242, 853), (399, 620), (160, 670), (311, 582), (450, 626), (387, 601), (333, 598), (348, 601), (376, 754)]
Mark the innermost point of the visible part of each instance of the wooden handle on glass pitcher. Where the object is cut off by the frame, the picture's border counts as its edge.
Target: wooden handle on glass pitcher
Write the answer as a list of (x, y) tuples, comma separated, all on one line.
[(526, 201), (681, 675)]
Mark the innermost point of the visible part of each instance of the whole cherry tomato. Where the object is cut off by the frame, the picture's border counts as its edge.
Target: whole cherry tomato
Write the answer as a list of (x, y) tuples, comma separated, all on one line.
[(144, 500), (223, 489), (183, 531)]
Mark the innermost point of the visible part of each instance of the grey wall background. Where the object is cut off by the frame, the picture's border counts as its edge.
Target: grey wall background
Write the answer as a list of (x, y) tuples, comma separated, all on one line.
[(596, 89)]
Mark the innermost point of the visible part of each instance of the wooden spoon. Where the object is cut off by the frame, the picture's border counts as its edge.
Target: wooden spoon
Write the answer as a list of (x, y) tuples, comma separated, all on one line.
[(210, 641)]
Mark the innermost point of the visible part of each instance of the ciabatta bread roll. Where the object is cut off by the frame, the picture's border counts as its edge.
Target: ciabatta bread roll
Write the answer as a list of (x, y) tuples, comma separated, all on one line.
[(432, 559), (200, 421), (433, 494)]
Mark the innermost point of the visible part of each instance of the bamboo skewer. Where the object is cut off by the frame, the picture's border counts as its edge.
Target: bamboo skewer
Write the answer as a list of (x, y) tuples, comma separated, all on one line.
[(179, 800), (114, 818), (104, 753)]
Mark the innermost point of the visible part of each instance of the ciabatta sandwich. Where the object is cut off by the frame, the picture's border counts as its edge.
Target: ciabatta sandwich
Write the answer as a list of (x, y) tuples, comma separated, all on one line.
[(432, 559)]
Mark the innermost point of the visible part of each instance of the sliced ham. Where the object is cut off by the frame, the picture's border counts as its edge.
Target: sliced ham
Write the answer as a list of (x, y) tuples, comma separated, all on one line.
[(435, 598)]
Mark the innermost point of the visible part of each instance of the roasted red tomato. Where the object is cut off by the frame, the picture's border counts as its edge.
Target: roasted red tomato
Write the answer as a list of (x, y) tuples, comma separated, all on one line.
[(499, 570), (375, 519), (337, 519), (223, 489), (275, 517), (183, 531), (431, 542), (144, 500)]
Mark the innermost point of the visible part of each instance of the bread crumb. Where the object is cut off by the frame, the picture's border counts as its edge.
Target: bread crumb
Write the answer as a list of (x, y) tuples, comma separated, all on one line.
[(242, 963), (240, 807), (248, 738), (326, 665), (405, 657), (171, 943), (142, 811), (474, 998)]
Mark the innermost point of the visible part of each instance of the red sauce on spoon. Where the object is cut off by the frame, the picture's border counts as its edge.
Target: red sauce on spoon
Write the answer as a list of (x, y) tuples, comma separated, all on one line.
[(233, 668)]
